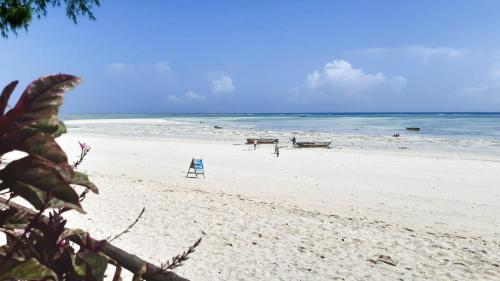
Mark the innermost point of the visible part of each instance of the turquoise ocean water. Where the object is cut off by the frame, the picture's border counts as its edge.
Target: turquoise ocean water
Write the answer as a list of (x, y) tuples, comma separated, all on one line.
[(445, 125)]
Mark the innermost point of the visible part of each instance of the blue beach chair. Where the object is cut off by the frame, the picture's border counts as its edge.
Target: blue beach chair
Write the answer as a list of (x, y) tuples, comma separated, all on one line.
[(196, 168)]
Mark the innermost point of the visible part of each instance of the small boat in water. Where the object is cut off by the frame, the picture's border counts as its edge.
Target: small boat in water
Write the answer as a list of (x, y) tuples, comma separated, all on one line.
[(262, 141), (413, 129), (217, 127), (313, 143)]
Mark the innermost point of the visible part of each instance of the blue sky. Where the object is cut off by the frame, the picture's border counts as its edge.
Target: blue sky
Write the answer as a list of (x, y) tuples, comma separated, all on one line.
[(268, 56)]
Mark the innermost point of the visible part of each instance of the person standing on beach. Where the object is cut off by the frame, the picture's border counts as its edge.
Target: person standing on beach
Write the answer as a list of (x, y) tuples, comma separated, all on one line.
[(254, 144), (276, 149)]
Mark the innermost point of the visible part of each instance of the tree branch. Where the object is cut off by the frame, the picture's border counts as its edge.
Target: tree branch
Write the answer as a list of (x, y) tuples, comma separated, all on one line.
[(109, 239), (129, 261), (180, 259)]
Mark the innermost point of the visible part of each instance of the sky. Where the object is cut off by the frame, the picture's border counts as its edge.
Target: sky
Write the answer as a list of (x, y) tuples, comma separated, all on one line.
[(267, 56)]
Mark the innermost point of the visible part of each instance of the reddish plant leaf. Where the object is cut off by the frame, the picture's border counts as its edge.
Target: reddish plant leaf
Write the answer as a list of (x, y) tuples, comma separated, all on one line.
[(11, 218), (4, 98), (42, 98), (47, 238), (39, 144), (60, 204), (78, 233), (42, 175), (31, 194), (34, 142), (39, 103), (37, 198)]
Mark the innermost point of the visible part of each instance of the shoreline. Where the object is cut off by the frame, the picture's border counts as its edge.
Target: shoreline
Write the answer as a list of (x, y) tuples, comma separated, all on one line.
[(316, 184), (311, 214), (175, 130)]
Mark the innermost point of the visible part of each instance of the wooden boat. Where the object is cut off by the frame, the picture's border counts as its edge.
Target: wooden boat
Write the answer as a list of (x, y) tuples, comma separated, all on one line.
[(262, 141), (313, 143), (416, 129)]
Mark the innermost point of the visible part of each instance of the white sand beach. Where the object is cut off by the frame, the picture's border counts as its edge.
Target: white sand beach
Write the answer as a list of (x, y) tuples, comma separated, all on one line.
[(310, 214)]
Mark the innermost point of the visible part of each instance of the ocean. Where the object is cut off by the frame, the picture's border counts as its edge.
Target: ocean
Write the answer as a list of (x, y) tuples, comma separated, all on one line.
[(442, 134), (448, 125)]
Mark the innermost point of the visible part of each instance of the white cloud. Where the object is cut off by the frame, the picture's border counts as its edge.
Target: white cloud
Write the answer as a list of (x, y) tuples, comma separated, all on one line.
[(340, 77), (420, 51), (174, 99), (223, 85), (375, 50), (486, 90), (117, 66), (397, 83), (484, 96), (162, 65), (494, 72), (189, 96), (428, 52), (157, 66), (474, 91)]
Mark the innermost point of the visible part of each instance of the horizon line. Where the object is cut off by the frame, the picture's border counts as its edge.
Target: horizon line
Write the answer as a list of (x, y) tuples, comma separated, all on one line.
[(305, 112)]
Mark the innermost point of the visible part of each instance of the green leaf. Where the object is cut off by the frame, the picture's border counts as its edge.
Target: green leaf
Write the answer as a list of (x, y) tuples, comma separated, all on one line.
[(78, 267), (83, 180), (53, 130), (28, 270), (43, 126), (96, 264)]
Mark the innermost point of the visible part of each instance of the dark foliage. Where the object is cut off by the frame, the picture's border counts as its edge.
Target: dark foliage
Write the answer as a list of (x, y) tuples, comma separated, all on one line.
[(17, 14), (40, 247)]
